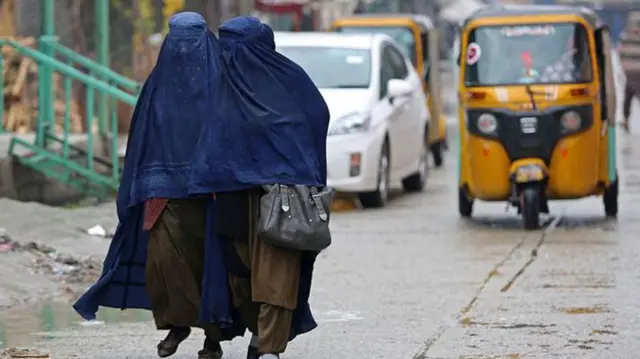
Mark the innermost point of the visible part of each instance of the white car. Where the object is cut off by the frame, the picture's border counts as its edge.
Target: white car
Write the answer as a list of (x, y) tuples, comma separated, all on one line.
[(379, 119)]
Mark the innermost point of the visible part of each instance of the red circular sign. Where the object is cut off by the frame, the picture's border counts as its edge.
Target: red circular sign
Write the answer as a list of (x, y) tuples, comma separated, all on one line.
[(473, 53)]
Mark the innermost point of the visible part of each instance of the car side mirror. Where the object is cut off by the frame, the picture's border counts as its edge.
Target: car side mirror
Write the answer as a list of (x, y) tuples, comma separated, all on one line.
[(398, 88)]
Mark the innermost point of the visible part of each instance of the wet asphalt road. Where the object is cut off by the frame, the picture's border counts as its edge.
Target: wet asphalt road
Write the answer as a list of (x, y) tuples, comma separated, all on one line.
[(413, 280)]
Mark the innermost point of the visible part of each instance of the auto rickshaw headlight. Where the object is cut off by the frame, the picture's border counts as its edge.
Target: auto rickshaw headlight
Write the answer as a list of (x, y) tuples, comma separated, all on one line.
[(487, 123), (571, 121)]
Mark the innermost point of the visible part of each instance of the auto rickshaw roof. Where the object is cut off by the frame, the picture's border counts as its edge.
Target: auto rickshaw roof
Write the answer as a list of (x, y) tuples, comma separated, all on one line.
[(424, 22), (527, 10)]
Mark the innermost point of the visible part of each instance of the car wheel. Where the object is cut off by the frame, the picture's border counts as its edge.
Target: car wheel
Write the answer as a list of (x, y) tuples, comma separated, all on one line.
[(436, 151), (416, 181), (380, 196)]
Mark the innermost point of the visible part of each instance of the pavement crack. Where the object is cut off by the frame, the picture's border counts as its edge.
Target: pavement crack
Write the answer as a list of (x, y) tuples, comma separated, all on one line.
[(533, 255), (492, 273), (422, 354)]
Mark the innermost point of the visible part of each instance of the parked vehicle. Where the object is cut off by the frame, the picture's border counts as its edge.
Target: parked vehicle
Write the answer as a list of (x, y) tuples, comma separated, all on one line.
[(537, 109), (419, 40), (379, 129)]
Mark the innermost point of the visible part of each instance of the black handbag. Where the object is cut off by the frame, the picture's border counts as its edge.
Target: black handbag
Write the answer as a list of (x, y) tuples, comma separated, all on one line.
[(296, 217)]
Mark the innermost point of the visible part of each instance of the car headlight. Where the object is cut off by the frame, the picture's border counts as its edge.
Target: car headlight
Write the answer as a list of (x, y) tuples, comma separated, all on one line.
[(487, 123), (571, 121), (351, 123)]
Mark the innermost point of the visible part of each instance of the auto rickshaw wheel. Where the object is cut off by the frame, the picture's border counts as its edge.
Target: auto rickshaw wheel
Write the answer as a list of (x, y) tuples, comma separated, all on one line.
[(610, 199), (465, 204), (436, 151), (530, 204)]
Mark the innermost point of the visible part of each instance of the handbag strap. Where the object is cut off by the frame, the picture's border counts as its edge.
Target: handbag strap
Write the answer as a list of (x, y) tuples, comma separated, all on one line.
[(317, 200)]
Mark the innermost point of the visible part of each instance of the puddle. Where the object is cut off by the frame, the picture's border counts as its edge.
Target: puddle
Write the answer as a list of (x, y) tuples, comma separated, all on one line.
[(23, 327)]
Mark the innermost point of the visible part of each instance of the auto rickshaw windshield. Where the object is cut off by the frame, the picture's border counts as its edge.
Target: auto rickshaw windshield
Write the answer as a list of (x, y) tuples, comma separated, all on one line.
[(402, 35), (551, 53)]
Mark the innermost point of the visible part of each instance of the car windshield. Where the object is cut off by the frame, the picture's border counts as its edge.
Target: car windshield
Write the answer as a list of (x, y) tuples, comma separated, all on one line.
[(527, 54), (332, 67), (402, 35)]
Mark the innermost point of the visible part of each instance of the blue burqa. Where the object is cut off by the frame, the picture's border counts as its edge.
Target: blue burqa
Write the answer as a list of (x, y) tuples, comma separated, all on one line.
[(270, 126), (189, 135), (174, 103)]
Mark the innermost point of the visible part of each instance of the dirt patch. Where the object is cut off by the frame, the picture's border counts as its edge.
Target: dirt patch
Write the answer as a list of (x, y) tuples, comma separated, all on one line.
[(71, 272), (22, 353), (603, 332), (586, 310)]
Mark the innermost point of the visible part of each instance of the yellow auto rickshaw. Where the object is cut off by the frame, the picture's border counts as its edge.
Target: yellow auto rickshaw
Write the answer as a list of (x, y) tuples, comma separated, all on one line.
[(417, 36), (537, 109)]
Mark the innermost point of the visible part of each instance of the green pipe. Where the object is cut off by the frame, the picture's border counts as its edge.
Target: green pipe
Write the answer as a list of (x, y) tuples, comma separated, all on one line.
[(67, 114), (102, 42), (46, 112), (115, 159), (102, 31), (89, 123), (48, 18)]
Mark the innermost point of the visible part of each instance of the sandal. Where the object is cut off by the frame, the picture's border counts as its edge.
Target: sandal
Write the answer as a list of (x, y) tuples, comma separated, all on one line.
[(169, 345), (210, 350)]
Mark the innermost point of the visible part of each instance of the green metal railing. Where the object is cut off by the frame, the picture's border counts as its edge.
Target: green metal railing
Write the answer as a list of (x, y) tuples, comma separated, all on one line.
[(90, 65), (51, 46), (54, 155)]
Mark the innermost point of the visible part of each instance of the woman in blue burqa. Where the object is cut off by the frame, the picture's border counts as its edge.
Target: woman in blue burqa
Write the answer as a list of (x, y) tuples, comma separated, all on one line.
[(270, 128), (174, 251)]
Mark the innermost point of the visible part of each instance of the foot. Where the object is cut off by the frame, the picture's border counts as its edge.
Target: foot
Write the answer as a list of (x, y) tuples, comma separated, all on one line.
[(252, 352), (625, 126), (210, 350), (169, 345)]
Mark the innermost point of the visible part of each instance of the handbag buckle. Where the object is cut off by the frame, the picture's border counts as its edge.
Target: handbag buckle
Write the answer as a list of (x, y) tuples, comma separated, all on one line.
[(284, 193), (317, 200)]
